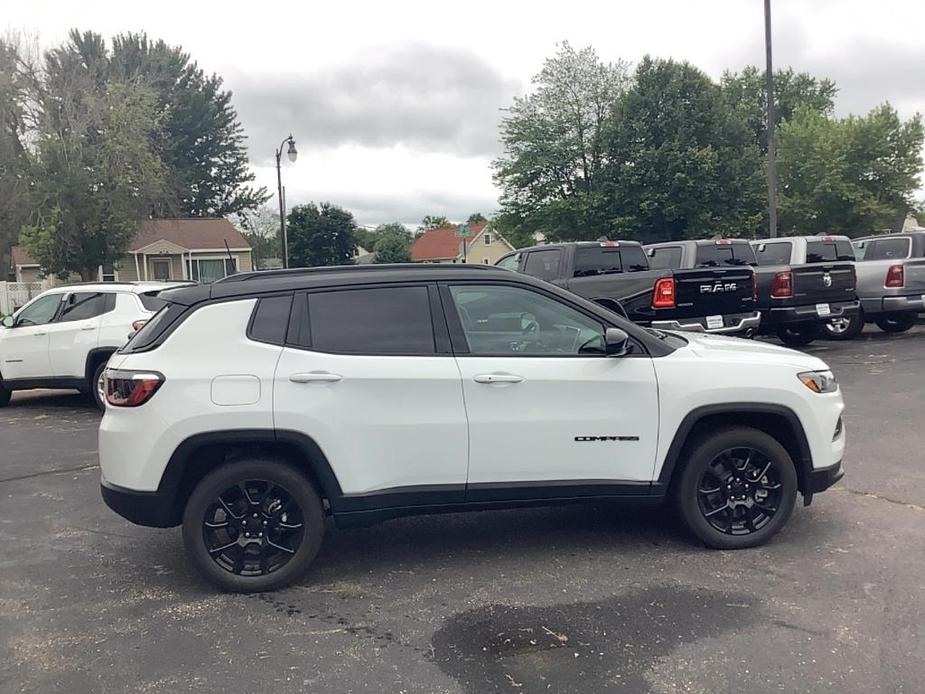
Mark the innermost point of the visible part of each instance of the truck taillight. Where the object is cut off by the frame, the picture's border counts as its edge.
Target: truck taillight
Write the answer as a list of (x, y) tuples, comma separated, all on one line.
[(895, 276), (782, 286), (663, 295), (131, 388)]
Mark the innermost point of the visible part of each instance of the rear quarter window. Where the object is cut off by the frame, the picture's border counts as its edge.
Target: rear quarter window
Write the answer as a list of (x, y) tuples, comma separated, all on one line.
[(270, 320)]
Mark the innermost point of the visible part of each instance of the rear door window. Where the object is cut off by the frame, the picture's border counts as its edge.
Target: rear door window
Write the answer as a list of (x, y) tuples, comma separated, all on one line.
[(665, 258), (85, 305), (608, 260), (724, 254), (777, 253), (388, 320), (543, 264), (888, 249)]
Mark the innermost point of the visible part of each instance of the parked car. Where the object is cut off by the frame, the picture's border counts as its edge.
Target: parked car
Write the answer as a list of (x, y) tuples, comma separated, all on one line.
[(891, 279), (805, 282), (718, 298), (248, 410), (64, 336)]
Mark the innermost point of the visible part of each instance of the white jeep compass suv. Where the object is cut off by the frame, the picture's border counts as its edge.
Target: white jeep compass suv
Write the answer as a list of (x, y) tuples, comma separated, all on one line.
[(249, 410), (63, 337)]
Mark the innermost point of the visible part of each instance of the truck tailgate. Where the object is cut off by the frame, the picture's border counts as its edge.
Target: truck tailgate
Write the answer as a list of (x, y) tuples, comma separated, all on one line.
[(714, 291), (818, 283)]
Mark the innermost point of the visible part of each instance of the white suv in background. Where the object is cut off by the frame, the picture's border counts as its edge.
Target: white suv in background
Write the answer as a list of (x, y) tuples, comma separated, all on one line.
[(64, 336), (249, 409)]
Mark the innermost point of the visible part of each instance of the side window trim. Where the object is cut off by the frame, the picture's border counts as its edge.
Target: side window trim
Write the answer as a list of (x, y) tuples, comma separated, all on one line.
[(250, 323)]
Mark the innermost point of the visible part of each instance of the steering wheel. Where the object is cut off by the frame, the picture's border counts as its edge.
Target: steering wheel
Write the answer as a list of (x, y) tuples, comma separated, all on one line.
[(529, 326)]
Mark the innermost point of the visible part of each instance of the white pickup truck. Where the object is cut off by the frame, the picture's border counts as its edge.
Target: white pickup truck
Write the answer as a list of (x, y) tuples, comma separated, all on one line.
[(64, 336)]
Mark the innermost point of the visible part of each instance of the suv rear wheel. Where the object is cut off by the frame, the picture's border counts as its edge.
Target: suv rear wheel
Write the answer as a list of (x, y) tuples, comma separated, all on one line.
[(737, 489), (253, 525), (5, 395), (896, 322)]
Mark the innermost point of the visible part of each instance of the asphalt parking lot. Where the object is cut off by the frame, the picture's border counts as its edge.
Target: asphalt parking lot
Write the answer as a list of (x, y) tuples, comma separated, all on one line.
[(583, 598)]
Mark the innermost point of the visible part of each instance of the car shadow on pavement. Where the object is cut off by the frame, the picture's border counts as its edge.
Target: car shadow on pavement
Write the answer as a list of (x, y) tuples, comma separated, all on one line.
[(54, 400)]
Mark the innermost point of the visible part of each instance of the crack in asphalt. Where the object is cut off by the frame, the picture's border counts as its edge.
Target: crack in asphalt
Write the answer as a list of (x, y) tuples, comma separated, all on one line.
[(60, 471), (878, 497)]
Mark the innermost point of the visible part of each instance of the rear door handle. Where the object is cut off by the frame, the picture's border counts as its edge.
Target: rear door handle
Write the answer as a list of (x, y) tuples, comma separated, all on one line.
[(315, 377), (497, 378), (88, 328), (40, 334)]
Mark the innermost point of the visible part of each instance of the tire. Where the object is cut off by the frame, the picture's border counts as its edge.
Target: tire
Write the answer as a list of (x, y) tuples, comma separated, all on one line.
[(844, 328), (736, 517), (94, 387), (287, 509), (798, 335), (5, 395), (896, 322)]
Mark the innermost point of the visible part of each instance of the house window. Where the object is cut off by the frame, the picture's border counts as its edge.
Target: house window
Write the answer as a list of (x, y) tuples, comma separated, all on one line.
[(208, 270), (486, 261), (161, 267), (487, 239), (107, 273)]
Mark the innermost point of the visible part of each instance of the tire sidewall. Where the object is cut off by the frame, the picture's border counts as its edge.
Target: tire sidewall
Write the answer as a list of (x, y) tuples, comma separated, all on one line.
[(217, 481), (702, 454), (94, 379), (896, 323)]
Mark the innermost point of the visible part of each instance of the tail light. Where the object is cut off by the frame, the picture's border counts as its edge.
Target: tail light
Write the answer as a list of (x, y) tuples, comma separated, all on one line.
[(754, 286), (782, 286), (139, 324), (131, 388), (663, 296), (895, 276)]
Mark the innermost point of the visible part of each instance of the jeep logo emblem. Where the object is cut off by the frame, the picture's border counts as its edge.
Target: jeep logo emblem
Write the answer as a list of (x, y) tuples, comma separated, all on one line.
[(718, 288), (826, 279)]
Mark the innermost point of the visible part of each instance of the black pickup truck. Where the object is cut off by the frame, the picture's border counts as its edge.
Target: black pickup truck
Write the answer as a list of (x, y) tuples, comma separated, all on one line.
[(617, 274)]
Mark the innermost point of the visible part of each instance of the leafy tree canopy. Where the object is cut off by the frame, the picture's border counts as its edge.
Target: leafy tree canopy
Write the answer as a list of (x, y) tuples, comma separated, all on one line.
[(320, 235)]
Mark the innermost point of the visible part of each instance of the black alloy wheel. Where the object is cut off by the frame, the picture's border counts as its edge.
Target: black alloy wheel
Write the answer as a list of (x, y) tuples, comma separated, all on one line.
[(253, 525), (737, 488), (740, 491)]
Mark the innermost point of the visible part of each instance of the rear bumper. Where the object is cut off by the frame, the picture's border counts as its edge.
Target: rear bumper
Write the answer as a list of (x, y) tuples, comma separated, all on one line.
[(142, 508), (911, 303), (735, 323), (808, 313)]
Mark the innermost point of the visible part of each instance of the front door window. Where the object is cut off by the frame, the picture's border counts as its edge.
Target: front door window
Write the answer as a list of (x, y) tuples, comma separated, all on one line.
[(40, 311)]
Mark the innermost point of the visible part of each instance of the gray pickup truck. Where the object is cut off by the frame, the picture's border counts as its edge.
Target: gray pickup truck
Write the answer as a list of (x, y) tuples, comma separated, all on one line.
[(891, 280), (804, 284)]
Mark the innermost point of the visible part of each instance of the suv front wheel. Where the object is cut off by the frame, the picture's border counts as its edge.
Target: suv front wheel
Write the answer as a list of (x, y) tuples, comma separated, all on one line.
[(737, 489), (253, 525)]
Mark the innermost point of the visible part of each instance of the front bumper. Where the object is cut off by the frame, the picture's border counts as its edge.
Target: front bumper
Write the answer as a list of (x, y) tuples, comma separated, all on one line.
[(735, 323), (820, 479), (142, 508), (809, 313), (912, 303)]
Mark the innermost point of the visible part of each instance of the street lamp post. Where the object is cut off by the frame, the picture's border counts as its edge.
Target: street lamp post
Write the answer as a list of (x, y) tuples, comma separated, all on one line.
[(769, 87), (292, 154)]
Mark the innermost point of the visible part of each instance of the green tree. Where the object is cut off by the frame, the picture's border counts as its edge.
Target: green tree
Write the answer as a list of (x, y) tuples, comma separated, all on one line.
[(476, 218), (744, 93), (433, 222), (680, 164), (16, 175), (551, 172), (320, 235), (850, 176), (392, 249), (97, 169), (260, 228)]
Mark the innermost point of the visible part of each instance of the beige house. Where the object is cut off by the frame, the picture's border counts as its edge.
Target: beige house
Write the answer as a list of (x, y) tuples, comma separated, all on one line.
[(443, 245), (203, 250)]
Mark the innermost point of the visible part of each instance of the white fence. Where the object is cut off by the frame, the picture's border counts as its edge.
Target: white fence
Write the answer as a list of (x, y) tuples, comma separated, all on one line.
[(15, 294)]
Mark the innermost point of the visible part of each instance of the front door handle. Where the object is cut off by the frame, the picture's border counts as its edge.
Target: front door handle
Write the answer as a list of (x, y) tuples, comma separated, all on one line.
[(497, 378), (88, 328), (315, 377), (44, 332)]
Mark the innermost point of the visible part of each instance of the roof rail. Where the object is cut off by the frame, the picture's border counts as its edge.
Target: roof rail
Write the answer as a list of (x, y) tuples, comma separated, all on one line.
[(295, 272)]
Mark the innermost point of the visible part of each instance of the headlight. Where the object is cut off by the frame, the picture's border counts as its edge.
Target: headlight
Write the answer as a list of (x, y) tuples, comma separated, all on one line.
[(819, 381)]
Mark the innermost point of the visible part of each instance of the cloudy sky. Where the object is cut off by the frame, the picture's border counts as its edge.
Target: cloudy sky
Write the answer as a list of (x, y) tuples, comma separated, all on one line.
[(395, 105)]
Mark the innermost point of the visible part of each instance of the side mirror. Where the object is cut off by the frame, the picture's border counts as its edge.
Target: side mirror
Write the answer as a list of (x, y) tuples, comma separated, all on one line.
[(7, 322), (616, 342), (762, 247)]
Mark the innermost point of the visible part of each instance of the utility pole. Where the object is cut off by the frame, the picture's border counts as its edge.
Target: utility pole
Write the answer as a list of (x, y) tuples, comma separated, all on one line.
[(292, 153), (772, 165)]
